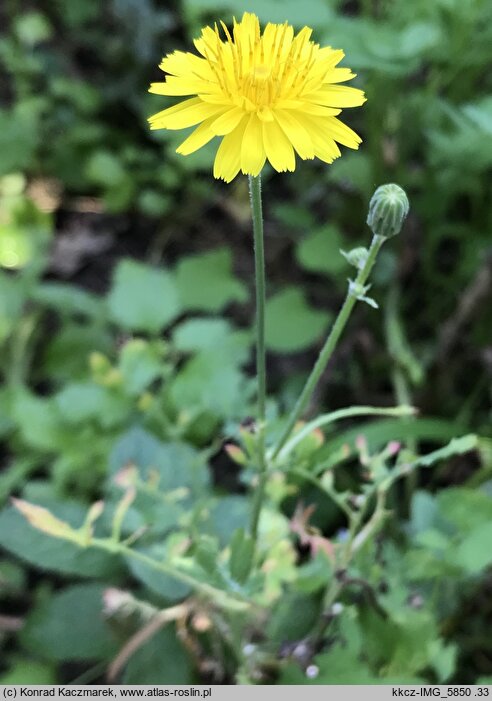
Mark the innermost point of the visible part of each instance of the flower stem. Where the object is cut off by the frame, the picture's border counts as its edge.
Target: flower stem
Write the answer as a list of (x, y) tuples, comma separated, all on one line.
[(331, 342), (256, 211)]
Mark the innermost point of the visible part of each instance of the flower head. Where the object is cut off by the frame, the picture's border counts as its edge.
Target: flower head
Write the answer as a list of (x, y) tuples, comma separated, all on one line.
[(268, 95)]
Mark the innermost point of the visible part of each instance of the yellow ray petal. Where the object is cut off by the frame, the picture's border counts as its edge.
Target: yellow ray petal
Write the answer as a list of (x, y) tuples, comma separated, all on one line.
[(338, 75), (227, 121), (278, 148), (181, 86), (342, 133), (187, 116), (318, 110), (228, 158), (330, 57), (186, 64), (296, 133), (323, 141), (337, 96), (198, 138), (253, 154)]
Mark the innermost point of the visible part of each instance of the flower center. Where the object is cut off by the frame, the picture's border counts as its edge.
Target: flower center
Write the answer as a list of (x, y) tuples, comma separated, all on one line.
[(258, 87), (260, 73)]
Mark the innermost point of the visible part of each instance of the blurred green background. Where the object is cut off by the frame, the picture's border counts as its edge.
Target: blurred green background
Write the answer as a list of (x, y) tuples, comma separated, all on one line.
[(98, 215)]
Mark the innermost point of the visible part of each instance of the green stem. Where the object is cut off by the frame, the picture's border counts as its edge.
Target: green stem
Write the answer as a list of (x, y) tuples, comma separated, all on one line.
[(256, 211), (221, 598), (331, 342), (324, 419)]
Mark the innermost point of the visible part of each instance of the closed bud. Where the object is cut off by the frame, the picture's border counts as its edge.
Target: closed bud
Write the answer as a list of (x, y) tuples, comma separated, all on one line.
[(388, 209)]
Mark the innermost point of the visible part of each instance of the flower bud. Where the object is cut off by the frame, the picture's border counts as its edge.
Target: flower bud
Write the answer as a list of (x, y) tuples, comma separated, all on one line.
[(388, 209)]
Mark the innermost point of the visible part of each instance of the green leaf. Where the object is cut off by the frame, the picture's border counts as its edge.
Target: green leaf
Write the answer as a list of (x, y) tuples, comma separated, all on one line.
[(210, 334), (339, 666), (465, 508), (379, 433), (228, 515), (423, 512), (291, 324), (158, 582), (176, 464), (161, 660), (319, 251), (29, 672), (403, 644), (66, 357), (19, 137), (38, 421), (85, 401), (206, 554), (104, 168), (44, 552), (11, 301), (70, 626), (32, 28), (242, 553), (443, 660), (315, 574), (68, 299), (12, 579), (474, 552), (140, 364), (143, 298), (206, 281), (210, 382), (293, 617), (201, 334), (16, 246)]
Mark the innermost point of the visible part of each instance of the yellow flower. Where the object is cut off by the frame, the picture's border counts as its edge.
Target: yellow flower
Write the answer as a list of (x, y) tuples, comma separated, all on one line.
[(268, 95)]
